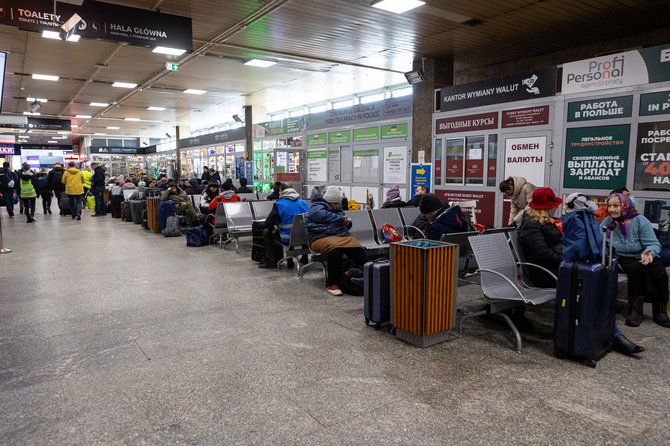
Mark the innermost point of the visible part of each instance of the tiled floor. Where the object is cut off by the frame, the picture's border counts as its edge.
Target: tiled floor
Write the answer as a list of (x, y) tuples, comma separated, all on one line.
[(110, 334)]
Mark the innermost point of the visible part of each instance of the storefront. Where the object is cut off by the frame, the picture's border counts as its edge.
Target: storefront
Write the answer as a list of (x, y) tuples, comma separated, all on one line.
[(215, 150), (278, 153)]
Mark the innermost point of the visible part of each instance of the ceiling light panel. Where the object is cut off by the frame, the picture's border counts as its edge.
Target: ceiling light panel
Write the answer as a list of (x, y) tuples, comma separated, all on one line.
[(113, 128), (152, 108), (83, 116), (124, 85), (168, 51), (398, 6), (260, 63), (99, 104), (43, 101), (131, 119), (45, 77), (194, 91)]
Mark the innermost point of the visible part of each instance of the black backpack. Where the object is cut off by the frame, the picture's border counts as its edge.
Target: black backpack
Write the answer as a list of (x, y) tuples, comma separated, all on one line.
[(5, 178), (57, 180), (351, 281)]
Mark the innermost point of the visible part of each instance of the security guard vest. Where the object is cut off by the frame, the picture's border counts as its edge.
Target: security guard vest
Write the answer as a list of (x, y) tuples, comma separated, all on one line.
[(27, 189)]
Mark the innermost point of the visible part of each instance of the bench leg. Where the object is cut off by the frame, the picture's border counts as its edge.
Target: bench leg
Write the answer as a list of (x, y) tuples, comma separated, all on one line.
[(519, 346), (468, 316)]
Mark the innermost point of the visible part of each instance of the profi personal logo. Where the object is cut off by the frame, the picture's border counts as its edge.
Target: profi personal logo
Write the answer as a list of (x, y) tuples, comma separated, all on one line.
[(665, 54), (600, 72), (529, 82)]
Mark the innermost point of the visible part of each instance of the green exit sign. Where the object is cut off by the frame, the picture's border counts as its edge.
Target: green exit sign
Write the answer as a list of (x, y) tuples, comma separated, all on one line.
[(172, 66)]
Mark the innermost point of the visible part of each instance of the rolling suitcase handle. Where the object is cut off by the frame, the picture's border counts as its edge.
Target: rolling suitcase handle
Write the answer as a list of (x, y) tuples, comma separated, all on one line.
[(609, 263)]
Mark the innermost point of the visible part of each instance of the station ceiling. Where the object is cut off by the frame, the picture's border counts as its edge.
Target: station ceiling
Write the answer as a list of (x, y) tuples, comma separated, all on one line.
[(323, 49)]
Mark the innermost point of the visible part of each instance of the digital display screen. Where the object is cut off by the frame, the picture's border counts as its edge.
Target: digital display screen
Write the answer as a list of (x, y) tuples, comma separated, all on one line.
[(3, 62)]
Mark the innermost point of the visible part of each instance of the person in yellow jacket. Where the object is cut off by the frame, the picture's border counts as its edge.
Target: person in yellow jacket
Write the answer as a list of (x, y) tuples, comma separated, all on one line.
[(87, 179), (74, 180)]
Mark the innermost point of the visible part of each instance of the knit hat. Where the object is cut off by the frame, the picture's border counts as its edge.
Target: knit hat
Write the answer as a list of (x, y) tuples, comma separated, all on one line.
[(333, 194), (429, 203), (171, 183), (579, 201), (392, 193), (193, 182), (544, 198)]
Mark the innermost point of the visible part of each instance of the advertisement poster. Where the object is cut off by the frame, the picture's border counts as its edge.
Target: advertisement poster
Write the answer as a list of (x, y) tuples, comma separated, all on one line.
[(316, 140), (343, 136), (366, 134), (596, 157), (420, 177), (486, 202), (454, 170), (484, 121), (239, 167), (604, 108), (395, 131), (395, 165), (249, 172), (525, 117), (317, 165), (525, 157), (652, 158), (334, 165), (655, 103), (366, 166)]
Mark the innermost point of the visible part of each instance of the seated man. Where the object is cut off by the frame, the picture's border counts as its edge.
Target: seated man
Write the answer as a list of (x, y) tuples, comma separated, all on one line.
[(226, 196), (183, 205), (243, 189), (278, 225), (193, 188), (441, 218), (418, 195), (209, 194)]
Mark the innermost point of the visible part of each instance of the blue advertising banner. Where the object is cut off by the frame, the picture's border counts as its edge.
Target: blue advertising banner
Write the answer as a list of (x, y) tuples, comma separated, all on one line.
[(239, 167), (249, 172), (420, 177)]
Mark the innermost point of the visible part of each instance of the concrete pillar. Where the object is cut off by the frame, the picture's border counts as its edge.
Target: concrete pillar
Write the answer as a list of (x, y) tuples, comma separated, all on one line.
[(248, 133), (438, 73)]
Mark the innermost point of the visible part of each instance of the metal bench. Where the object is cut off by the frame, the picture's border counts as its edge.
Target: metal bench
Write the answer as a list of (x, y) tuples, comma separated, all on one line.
[(261, 209), (409, 215), (239, 219), (363, 231), (248, 197), (391, 216)]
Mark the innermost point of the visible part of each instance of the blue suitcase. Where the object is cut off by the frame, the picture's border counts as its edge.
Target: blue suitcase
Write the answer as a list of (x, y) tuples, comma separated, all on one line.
[(165, 210), (377, 293), (586, 295)]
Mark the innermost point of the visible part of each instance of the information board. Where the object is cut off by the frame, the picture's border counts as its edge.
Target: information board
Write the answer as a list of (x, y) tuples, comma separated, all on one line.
[(334, 165), (395, 165), (317, 165), (366, 166), (525, 157)]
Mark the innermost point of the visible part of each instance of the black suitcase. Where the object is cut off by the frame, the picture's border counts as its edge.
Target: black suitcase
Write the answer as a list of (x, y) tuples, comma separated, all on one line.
[(136, 208), (127, 214), (117, 201), (377, 293), (258, 243), (65, 204), (585, 312)]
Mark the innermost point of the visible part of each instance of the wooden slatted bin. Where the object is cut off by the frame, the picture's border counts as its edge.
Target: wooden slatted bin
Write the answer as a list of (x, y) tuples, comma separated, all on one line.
[(425, 276), (152, 214)]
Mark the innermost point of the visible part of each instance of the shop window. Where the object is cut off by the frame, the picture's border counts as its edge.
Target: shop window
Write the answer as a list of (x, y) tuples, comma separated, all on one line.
[(474, 162), (492, 161), (454, 161), (438, 161)]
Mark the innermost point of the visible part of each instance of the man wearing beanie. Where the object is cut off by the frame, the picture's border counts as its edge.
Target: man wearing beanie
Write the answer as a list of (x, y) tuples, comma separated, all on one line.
[(442, 219), (393, 199), (183, 205), (328, 232)]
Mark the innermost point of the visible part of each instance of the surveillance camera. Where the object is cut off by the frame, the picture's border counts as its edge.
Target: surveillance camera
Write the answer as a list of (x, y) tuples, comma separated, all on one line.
[(168, 135), (35, 106)]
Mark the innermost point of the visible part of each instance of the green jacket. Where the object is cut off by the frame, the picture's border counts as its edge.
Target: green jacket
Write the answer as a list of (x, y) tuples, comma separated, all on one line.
[(179, 197)]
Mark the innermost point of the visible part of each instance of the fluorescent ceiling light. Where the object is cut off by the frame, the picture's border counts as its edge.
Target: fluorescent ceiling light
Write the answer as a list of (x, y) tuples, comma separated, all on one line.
[(51, 35), (124, 85), (398, 6), (193, 91), (74, 125), (83, 116), (74, 38), (53, 142), (99, 104), (170, 51), (45, 77), (60, 137), (113, 128), (152, 108), (44, 101), (99, 134), (31, 113), (260, 63), (131, 119), (63, 133)]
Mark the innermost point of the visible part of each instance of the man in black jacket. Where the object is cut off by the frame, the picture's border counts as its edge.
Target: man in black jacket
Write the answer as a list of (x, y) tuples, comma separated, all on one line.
[(243, 189), (98, 185), (8, 183), (55, 182)]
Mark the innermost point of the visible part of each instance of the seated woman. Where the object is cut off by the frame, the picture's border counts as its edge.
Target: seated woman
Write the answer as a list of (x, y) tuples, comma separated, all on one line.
[(393, 199), (636, 249), (327, 229), (541, 242), (209, 194)]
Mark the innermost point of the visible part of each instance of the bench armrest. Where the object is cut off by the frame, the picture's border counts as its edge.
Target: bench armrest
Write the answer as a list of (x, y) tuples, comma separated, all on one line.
[(417, 229), (540, 267), (512, 284)]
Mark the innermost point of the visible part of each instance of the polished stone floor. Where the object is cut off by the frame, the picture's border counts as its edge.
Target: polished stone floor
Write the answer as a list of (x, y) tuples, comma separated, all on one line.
[(112, 335)]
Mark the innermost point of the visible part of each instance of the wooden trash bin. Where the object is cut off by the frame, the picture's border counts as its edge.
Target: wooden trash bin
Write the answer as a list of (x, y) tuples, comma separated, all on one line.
[(424, 281), (152, 214)]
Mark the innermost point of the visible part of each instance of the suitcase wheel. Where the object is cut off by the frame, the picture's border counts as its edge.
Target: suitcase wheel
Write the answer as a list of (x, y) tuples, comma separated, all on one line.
[(591, 363)]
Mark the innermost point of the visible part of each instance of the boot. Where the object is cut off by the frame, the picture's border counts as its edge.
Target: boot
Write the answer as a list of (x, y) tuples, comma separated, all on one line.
[(660, 314), (623, 345), (635, 315)]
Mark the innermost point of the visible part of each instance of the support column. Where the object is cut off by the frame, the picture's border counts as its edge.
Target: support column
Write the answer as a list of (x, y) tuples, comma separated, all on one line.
[(248, 133), (438, 73), (177, 168)]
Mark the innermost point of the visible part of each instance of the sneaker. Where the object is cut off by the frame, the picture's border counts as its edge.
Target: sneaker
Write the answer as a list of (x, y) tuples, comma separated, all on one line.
[(335, 290), (49, 211), (78, 217)]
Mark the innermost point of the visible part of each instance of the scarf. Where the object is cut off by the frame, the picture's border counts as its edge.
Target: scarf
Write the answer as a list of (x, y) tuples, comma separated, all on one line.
[(628, 212)]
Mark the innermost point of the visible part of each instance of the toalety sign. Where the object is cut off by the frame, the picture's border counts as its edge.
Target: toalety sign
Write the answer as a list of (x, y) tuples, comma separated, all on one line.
[(101, 21), (596, 157), (652, 158), (604, 108), (645, 66), (515, 87), (484, 121)]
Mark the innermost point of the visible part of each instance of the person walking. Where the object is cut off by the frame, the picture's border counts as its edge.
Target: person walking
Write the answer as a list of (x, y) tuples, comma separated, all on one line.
[(98, 185), (7, 186), (73, 179), (55, 183), (28, 191), (88, 173), (43, 190)]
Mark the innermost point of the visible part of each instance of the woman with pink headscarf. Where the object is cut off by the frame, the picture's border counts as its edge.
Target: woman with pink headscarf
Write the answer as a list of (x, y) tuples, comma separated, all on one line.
[(637, 249)]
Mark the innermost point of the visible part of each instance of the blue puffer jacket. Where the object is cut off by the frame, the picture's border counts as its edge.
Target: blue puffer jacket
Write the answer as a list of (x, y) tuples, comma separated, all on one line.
[(448, 220), (324, 221)]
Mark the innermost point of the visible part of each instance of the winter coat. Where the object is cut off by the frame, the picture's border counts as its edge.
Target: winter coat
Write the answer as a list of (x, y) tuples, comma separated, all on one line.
[(395, 203), (98, 178), (324, 221), (541, 244), (448, 220), (640, 237), (179, 197), (414, 202), (243, 190), (522, 196), (274, 195), (225, 197), (55, 179), (289, 205), (73, 179)]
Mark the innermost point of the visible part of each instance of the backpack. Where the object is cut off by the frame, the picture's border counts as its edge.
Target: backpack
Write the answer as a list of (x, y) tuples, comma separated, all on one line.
[(6, 180), (172, 227), (57, 181), (581, 236), (390, 234), (196, 236), (42, 182), (352, 281)]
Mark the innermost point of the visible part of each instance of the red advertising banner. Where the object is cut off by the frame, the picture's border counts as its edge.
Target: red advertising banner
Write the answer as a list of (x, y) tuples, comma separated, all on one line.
[(492, 168), (288, 176), (455, 170), (438, 170), (484, 121), (525, 117), (474, 169), (485, 211)]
